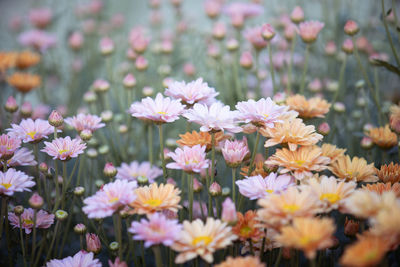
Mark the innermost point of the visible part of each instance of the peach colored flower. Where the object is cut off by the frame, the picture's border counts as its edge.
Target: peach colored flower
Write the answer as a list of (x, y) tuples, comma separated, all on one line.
[(356, 169), (312, 108), (383, 137), (241, 262)]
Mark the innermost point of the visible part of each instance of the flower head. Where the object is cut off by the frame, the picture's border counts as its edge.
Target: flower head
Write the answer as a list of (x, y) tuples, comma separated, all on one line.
[(43, 220), (309, 30), (228, 211), (246, 226), (308, 108), (22, 157), (395, 118), (189, 159), (332, 152), (241, 262), (85, 122), (200, 138), (383, 137), (27, 59), (135, 169), (24, 82), (93, 243), (40, 17), (389, 173), (80, 259), (235, 152), (64, 148), (8, 146), (356, 169), (31, 130), (37, 39), (255, 37), (13, 181), (194, 92)]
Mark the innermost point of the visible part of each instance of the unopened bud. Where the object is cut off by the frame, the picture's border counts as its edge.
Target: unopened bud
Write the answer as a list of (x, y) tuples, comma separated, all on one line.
[(351, 227), (297, 15), (339, 107), (123, 129), (101, 85), (129, 81), (232, 45), (36, 201), (92, 153), (104, 149), (351, 28), (61, 215), (55, 119), (11, 105), (267, 32), (114, 246), (80, 229), (215, 189), (43, 167), (348, 46), (366, 142), (109, 170), (141, 63), (106, 116), (324, 128), (106, 46), (93, 243), (89, 97), (148, 91), (142, 180), (26, 109), (226, 191), (86, 134), (197, 186), (228, 211), (79, 191), (246, 60), (18, 210), (99, 183)]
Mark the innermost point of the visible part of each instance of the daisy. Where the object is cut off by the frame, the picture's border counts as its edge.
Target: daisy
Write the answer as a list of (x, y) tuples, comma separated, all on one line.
[(159, 110), (32, 131), (22, 157), (194, 92), (356, 169), (64, 148), (154, 198), (394, 119), (332, 152), (156, 230), (270, 243), (80, 259), (85, 122), (199, 239), (309, 30), (235, 152), (241, 262), (8, 146), (110, 198), (200, 138), (189, 159), (24, 82), (246, 226), (256, 187), (135, 169), (383, 137), (386, 223), (312, 108), (380, 188), (215, 118), (13, 181), (389, 173), (43, 220)]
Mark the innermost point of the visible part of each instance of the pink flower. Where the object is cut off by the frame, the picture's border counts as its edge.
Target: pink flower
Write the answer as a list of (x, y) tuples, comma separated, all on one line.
[(267, 31), (157, 230), (351, 28), (255, 187), (64, 148), (189, 159), (40, 17), (31, 130), (309, 30), (217, 117), (245, 10), (106, 45), (261, 113), (194, 92), (135, 169), (76, 40), (22, 157), (8, 146), (80, 259), (297, 15), (85, 122), (228, 211), (159, 110), (14, 181), (117, 263), (40, 112), (93, 243), (246, 60), (110, 198), (43, 220), (254, 36), (39, 40), (235, 151)]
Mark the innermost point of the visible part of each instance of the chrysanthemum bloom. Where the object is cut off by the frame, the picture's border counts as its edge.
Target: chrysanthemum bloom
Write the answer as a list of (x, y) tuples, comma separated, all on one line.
[(331, 192), (7, 60), (43, 220), (24, 82), (261, 113), (383, 137), (308, 108), (309, 30), (135, 169), (395, 118), (199, 239), (200, 138), (14, 181), (356, 169), (27, 59), (159, 110), (380, 188), (243, 9), (109, 199), (40, 17), (8, 146), (155, 198), (235, 152), (308, 235), (22, 157), (85, 122), (215, 118), (190, 93), (269, 244), (255, 187), (389, 173), (280, 209), (93, 243), (64, 148), (31, 130), (247, 226), (241, 262), (297, 15), (300, 162), (81, 259), (291, 132), (351, 28), (39, 40), (259, 168), (117, 263), (156, 230), (332, 152), (369, 250), (255, 38), (189, 159)]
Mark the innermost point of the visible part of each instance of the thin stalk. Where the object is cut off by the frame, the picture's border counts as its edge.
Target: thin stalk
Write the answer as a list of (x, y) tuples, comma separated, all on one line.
[(238, 84), (258, 89), (21, 235), (36, 152), (190, 190), (81, 241), (150, 142), (212, 157), (234, 185), (278, 260), (253, 155), (271, 65), (33, 234), (341, 76), (52, 240), (118, 228), (305, 68), (251, 247), (2, 214), (396, 20), (81, 163), (313, 263), (64, 184), (142, 254), (157, 254), (201, 206), (389, 36), (165, 174)]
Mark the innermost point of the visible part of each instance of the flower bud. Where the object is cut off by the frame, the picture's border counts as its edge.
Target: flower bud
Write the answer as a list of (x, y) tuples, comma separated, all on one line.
[(197, 186), (297, 15), (232, 45), (18, 210), (89, 97), (189, 69), (228, 211), (106, 46), (237, 21), (109, 170), (171, 181), (79, 191), (75, 40), (36, 201), (366, 142), (350, 227), (43, 167), (80, 229), (226, 191), (122, 129), (339, 107), (215, 189), (360, 84), (332, 86), (351, 28), (246, 60), (335, 243), (324, 128), (92, 153), (26, 109), (129, 81), (330, 48), (106, 116), (212, 8), (267, 32), (86, 135), (11, 105), (348, 46), (104, 149), (114, 246), (147, 91), (141, 63), (101, 85), (61, 215), (93, 243), (55, 119), (219, 31), (142, 180), (99, 183)]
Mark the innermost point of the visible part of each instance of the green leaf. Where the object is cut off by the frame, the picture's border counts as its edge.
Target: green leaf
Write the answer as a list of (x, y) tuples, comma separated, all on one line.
[(387, 66)]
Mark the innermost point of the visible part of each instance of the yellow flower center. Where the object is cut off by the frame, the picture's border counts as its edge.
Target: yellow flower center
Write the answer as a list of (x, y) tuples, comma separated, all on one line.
[(31, 134), (113, 199), (371, 255), (305, 240), (154, 202), (266, 115), (269, 191), (62, 151), (290, 208), (245, 231), (6, 185), (192, 161), (27, 221), (162, 113), (300, 162), (203, 238), (331, 197)]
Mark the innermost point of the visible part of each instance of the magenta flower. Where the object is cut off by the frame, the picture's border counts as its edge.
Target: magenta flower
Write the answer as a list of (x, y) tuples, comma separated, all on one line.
[(159, 110), (80, 259), (235, 151), (156, 230), (64, 148), (309, 30), (39, 40), (32, 131), (22, 157), (13, 181), (261, 113), (110, 198), (194, 92), (8, 146), (242, 9), (217, 117), (43, 220), (254, 36), (135, 169), (189, 159), (256, 187), (85, 122)]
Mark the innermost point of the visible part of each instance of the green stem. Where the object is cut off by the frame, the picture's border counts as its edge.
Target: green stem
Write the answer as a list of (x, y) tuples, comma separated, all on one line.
[(278, 260), (157, 254), (190, 190), (55, 132), (21, 235), (251, 247), (237, 77), (52, 240), (253, 155), (150, 142), (212, 156), (2, 214), (81, 163), (313, 263), (165, 174), (389, 36), (38, 182), (271, 65), (64, 184), (57, 202), (341, 75), (305, 68), (234, 185), (34, 234), (258, 89), (395, 16)]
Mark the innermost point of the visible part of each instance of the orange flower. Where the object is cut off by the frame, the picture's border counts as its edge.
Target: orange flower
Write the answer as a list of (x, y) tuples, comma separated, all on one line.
[(308, 235), (356, 169), (300, 162), (259, 167), (332, 152), (381, 187), (156, 198), (291, 132), (27, 59), (24, 82), (248, 261), (7, 60), (311, 108), (389, 173), (383, 137), (200, 138), (245, 227), (395, 118), (369, 250)]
